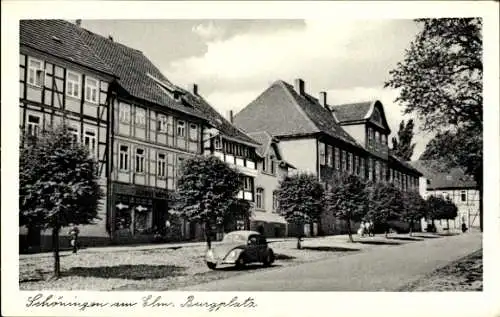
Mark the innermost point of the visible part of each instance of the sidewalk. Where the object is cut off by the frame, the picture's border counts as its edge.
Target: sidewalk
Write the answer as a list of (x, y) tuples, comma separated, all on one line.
[(309, 241)]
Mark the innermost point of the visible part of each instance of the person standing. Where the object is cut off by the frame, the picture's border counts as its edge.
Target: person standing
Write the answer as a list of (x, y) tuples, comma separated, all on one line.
[(73, 233)]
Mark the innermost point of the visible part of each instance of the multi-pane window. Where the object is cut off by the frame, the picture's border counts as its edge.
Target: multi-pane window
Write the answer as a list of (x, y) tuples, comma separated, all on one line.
[(180, 162), (73, 84), (370, 137), (259, 198), (265, 164), (181, 128), (247, 183), (275, 201), (33, 125), (272, 164), (193, 132), (161, 170), (90, 140), (74, 134), (344, 160), (322, 153), (140, 117), (356, 163), (337, 158), (139, 160), (91, 90), (377, 137), (370, 169), (218, 142), (124, 112), (124, 158), (384, 139), (351, 164), (463, 195), (162, 123), (35, 72), (329, 156), (362, 167)]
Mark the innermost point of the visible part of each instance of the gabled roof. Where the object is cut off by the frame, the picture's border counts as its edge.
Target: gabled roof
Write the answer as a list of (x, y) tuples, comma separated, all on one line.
[(352, 111), (282, 112), (136, 75), (361, 112), (60, 39), (440, 177), (216, 120), (264, 139), (267, 141)]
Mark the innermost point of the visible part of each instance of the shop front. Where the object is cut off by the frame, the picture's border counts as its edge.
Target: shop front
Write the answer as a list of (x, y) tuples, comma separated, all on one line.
[(138, 212)]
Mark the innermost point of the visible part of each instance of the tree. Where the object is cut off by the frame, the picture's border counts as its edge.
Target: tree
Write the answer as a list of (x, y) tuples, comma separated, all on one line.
[(441, 81), (414, 208), (207, 190), (461, 148), (442, 208), (404, 147), (300, 199), (347, 199), (58, 185), (385, 204)]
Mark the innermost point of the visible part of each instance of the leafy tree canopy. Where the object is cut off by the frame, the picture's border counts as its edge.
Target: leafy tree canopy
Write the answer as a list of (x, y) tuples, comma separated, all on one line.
[(385, 203), (207, 188), (440, 78), (402, 146), (300, 198), (414, 207), (58, 182)]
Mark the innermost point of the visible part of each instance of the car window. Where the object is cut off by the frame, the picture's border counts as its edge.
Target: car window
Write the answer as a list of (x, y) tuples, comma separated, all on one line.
[(234, 238), (253, 240)]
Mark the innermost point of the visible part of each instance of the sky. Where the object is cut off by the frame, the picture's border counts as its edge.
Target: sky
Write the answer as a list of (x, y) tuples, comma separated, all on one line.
[(233, 61)]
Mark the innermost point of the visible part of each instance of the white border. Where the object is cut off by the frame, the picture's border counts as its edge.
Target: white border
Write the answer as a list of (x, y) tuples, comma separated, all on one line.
[(269, 304)]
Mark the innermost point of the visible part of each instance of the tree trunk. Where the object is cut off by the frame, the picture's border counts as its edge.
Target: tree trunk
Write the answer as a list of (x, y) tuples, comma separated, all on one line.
[(55, 248), (299, 245), (481, 208), (207, 235), (411, 227), (448, 225), (349, 233)]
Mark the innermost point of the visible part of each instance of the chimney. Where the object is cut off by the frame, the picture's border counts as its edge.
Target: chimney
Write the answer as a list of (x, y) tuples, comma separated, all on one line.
[(299, 86), (194, 89), (110, 38), (78, 22), (322, 99), (230, 117)]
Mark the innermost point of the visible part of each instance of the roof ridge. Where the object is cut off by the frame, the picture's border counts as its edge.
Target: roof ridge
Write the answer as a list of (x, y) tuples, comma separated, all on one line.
[(286, 86)]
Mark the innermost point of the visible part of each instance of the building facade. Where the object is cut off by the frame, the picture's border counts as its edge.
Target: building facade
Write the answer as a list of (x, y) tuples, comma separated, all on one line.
[(58, 84), (139, 125), (454, 184), (325, 140), (272, 168)]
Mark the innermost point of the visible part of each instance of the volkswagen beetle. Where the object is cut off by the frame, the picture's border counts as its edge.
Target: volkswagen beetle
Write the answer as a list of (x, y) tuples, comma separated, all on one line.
[(240, 248)]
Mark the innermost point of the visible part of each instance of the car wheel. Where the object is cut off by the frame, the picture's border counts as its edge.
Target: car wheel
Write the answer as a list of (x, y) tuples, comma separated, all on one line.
[(269, 258), (240, 263), (211, 265)]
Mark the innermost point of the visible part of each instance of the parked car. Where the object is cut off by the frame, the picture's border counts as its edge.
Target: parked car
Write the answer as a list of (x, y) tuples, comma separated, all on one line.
[(240, 248)]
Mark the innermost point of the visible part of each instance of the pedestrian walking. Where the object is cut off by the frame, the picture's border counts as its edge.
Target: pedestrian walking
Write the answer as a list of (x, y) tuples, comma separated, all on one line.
[(361, 230), (372, 229), (73, 233)]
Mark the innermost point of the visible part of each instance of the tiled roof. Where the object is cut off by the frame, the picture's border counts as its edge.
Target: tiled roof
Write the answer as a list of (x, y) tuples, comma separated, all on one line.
[(352, 112), (264, 140), (134, 70), (399, 161), (440, 177), (60, 38), (280, 111), (215, 119)]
